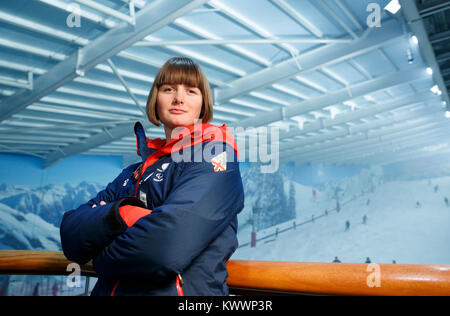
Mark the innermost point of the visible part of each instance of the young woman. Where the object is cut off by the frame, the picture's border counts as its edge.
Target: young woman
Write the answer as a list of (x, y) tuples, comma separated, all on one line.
[(167, 225)]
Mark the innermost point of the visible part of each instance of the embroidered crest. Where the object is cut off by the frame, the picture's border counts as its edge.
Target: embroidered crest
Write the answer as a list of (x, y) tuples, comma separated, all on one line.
[(220, 162), (159, 175)]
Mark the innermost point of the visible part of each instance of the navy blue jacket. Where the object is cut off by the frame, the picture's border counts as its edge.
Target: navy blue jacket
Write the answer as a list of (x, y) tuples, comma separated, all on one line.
[(191, 231)]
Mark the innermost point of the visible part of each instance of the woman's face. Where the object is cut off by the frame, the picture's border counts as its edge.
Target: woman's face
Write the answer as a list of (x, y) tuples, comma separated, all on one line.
[(178, 105)]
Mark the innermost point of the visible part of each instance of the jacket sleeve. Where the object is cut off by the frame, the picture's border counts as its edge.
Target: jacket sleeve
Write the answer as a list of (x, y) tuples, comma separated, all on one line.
[(85, 231), (201, 205)]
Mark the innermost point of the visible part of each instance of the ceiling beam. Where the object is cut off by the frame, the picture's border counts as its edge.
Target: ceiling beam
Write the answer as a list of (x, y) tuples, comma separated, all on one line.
[(336, 97), (359, 143), (108, 136), (309, 61), (440, 37), (433, 7), (406, 145), (151, 18), (384, 153), (352, 116), (408, 151), (248, 41), (365, 128)]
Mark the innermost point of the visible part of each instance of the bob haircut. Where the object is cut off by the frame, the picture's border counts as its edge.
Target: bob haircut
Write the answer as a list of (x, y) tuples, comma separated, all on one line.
[(180, 70)]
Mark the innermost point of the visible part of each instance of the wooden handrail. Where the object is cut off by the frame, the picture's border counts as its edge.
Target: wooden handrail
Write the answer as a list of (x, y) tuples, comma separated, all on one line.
[(340, 278), (30, 262), (272, 277)]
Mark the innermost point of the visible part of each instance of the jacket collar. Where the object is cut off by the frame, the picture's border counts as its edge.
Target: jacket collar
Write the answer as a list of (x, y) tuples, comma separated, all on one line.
[(203, 132)]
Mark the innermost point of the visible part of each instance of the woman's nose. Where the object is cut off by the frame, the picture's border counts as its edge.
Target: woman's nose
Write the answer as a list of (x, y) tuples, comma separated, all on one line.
[(179, 96)]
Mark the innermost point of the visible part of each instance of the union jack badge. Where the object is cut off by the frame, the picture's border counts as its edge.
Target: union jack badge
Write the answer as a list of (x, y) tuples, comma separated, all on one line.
[(220, 162)]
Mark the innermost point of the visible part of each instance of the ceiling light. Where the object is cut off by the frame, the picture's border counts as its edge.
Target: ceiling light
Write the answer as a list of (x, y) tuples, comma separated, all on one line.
[(447, 114), (429, 71), (435, 89), (393, 6), (414, 39)]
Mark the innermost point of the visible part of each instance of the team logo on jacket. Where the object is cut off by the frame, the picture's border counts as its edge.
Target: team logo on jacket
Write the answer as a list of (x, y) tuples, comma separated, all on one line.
[(220, 162), (159, 176)]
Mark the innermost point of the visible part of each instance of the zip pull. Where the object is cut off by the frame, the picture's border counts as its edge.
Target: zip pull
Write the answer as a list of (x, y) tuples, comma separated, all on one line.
[(137, 172), (179, 284)]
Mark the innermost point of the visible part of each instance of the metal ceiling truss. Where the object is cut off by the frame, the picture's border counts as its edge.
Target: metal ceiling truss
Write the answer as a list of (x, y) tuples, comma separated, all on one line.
[(148, 20), (361, 131), (69, 126), (408, 151), (415, 22), (382, 145), (352, 116), (315, 59)]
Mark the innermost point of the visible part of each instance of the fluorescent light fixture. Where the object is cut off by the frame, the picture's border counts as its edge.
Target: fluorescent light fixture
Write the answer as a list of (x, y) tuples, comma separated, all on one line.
[(393, 6), (447, 114), (414, 39), (429, 71), (435, 89)]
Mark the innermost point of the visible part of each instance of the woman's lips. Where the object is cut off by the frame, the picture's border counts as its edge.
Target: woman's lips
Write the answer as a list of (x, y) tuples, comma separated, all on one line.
[(177, 111)]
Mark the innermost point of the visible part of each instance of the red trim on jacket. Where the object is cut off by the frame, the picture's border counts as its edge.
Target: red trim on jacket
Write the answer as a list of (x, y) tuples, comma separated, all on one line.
[(131, 214)]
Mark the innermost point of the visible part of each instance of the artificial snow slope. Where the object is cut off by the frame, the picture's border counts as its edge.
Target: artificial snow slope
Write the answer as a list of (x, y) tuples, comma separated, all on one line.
[(396, 229)]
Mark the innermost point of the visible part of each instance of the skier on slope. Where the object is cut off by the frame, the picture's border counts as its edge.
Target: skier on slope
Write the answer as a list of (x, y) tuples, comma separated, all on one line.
[(347, 225), (365, 219)]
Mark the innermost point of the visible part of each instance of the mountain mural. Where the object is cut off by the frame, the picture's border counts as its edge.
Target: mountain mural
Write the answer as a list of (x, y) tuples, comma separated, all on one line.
[(26, 231), (269, 199), (30, 217), (49, 202)]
